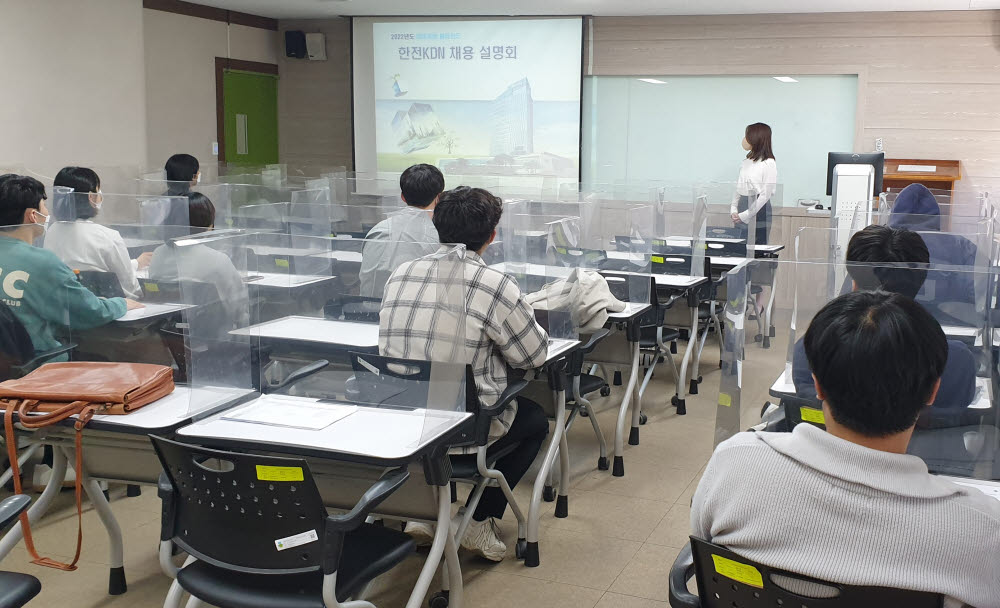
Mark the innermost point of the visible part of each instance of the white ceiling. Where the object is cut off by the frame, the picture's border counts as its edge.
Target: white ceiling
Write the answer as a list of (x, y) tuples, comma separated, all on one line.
[(289, 9)]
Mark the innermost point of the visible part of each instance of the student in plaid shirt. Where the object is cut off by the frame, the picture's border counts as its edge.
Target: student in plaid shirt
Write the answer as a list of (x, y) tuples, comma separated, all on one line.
[(501, 331)]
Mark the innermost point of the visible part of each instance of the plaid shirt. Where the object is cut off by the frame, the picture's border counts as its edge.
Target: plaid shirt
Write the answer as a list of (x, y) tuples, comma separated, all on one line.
[(500, 327)]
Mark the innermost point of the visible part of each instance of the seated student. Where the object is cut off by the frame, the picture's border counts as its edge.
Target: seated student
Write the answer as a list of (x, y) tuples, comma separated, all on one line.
[(848, 505), (502, 327), (84, 245), (406, 234), (893, 246), (41, 291), (916, 209), (183, 173), (202, 264)]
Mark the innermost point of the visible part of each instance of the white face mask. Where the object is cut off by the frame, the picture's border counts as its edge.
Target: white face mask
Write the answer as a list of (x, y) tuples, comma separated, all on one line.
[(197, 178), (100, 201)]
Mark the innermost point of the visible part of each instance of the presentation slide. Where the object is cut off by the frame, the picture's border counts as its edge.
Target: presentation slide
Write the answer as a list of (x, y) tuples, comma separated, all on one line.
[(472, 97)]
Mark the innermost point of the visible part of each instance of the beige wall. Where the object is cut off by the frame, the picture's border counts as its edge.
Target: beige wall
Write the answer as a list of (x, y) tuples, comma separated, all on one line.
[(73, 83), (180, 54), (314, 98), (929, 82)]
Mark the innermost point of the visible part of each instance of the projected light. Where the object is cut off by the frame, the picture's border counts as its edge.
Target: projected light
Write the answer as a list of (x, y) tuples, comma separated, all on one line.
[(784, 78), (652, 81)]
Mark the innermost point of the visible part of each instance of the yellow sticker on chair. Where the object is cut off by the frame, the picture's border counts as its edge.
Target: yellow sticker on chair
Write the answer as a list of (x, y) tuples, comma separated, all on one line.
[(741, 573), (280, 263), (656, 259), (725, 399), (152, 287), (279, 473), (810, 414)]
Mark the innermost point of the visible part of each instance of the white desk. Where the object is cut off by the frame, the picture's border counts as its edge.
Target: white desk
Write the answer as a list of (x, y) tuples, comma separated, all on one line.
[(285, 281), (352, 257), (989, 488), (316, 330), (980, 400), (379, 435), (271, 250), (151, 312), (117, 448), (632, 309)]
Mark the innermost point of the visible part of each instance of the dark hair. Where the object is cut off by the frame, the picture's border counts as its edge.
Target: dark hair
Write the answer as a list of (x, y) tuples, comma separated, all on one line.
[(181, 168), (421, 184), (18, 193), (888, 259), (759, 137), (201, 211), (467, 216), (84, 182), (876, 355)]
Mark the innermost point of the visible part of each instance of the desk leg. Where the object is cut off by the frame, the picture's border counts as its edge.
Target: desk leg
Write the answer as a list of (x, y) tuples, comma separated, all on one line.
[(682, 381), (25, 456), (441, 533), (619, 464), (531, 558), (562, 500), (454, 568), (40, 506), (116, 578), (769, 326)]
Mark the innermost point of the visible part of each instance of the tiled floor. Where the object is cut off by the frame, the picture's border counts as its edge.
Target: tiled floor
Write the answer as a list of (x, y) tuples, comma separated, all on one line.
[(614, 550)]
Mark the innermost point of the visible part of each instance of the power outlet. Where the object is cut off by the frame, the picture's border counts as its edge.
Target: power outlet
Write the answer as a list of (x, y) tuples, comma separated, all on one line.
[(879, 146), (215, 148)]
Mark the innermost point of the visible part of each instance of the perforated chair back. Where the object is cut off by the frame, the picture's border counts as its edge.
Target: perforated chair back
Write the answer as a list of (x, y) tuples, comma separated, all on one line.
[(102, 284), (243, 512), (727, 580)]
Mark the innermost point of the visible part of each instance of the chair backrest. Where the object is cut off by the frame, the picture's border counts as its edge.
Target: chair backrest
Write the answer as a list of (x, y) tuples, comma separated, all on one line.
[(243, 512), (16, 347), (363, 309), (800, 409), (103, 284), (406, 383), (726, 247), (209, 316), (728, 580)]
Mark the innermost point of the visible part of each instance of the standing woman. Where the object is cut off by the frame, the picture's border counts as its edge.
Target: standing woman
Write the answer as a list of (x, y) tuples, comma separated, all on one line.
[(757, 182)]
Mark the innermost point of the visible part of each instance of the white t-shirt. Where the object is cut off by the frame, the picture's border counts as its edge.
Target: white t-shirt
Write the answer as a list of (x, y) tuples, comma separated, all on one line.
[(759, 180), (84, 245)]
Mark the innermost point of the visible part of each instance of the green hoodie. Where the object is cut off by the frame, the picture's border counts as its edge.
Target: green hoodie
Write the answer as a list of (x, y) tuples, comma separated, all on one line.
[(45, 295)]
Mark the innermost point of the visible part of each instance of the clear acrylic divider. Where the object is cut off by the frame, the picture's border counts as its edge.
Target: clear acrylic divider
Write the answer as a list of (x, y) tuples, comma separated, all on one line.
[(678, 234), (731, 400), (373, 191), (725, 237), (956, 435), (204, 274), (437, 387)]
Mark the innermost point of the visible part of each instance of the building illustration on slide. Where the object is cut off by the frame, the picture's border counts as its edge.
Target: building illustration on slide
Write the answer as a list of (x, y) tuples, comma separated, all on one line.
[(513, 123), (416, 128)]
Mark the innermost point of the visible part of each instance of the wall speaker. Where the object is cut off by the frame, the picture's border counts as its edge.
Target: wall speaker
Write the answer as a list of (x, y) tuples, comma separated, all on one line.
[(295, 44)]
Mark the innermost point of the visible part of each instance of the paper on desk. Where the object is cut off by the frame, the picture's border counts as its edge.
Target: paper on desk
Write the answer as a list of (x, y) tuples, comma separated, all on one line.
[(918, 168), (151, 310), (311, 416)]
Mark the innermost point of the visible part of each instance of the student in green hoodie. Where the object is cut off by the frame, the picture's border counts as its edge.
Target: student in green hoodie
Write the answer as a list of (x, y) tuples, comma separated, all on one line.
[(41, 291)]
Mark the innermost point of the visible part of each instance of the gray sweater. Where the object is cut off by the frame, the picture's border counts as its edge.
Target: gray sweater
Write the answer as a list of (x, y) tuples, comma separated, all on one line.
[(817, 505)]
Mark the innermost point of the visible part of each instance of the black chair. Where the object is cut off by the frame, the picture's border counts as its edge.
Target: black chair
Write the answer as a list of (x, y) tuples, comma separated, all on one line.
[(260, 535), (103, 284), (363, 309), (16, 589), (17, 353), (399, 382), (580, 385), (727, 580)]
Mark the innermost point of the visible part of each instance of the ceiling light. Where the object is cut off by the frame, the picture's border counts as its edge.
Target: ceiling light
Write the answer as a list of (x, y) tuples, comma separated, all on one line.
[(784, 78), (652, 81)]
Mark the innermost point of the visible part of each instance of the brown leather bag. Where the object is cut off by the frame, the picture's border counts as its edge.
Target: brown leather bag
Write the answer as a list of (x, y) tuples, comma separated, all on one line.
[(56, 391)]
